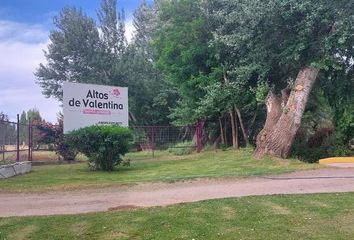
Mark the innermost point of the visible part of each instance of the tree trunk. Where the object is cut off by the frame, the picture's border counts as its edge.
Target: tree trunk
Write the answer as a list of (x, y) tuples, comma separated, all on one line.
[(250, 127), (284, 116), (234, 130), (244, 132), (221, 132), (225, 131)]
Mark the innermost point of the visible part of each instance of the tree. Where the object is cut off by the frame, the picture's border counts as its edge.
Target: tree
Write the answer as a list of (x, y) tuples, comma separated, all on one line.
[(226, 99), (75, 54), (7, 131), (34, 116), (183, 53), (146, 24), (81, 53), (277, 41), (23, 129), (150, 95), (112, 27)]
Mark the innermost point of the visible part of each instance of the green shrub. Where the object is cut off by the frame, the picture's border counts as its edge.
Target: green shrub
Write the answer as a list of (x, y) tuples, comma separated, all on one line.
[(316, 148), (183, 148), (103, 145)]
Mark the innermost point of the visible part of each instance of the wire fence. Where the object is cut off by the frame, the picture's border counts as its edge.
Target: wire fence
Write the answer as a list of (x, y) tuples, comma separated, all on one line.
[(152, 138), (18, 141)]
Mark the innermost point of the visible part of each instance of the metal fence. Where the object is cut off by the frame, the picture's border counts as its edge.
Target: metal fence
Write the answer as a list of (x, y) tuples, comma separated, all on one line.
[(164, 137), (15, 141), (18, 141)]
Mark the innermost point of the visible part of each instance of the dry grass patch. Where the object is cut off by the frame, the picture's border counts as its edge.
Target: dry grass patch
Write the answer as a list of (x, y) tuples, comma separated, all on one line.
[(277, 208), (23, 233)]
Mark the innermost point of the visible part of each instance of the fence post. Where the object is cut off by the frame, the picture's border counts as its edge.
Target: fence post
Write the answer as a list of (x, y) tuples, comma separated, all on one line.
[(3, 142), (18, 139), (199, 133), (153, 141), (29, 140)]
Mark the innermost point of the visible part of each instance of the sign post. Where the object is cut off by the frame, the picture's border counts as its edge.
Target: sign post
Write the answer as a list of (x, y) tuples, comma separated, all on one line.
[(89, 104)]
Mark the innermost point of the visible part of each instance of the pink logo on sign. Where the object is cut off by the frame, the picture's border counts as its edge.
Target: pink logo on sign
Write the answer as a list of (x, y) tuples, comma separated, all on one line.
[(116, 92)]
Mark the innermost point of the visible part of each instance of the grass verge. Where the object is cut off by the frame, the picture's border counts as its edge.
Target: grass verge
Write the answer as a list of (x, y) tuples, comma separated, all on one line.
[(164, 167), (314, 216)]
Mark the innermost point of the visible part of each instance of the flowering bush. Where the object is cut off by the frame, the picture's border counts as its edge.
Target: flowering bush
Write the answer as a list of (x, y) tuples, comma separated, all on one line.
[(53, 135)]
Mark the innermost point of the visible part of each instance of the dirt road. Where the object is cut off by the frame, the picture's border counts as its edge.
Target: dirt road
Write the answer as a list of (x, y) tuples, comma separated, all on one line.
[(162, 194)]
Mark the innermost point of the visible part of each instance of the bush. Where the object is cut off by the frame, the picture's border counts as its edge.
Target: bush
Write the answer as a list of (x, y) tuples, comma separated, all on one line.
[(320, 146), (53, 136), (103, 145), (183, 148)]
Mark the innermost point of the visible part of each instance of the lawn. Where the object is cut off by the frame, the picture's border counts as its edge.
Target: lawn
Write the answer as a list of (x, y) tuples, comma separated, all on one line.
[(314, 216), (144, 168)]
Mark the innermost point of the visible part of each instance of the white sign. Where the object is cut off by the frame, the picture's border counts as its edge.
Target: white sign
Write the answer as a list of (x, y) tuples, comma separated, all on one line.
[(88, 104)]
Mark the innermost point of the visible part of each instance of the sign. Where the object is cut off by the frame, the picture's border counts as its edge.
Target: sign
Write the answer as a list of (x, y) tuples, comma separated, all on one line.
[(89, 104)]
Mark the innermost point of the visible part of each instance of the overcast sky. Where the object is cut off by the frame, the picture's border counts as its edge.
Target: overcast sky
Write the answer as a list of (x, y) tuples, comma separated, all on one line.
[(24, 28)]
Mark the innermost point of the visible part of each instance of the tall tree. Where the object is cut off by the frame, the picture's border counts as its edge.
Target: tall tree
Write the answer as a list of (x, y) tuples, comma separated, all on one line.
[(34, 116), (150, 94), (112, 25), (278, 41), (23, 129), (74, 54), (82, 51), (183, 53), (146, 24)]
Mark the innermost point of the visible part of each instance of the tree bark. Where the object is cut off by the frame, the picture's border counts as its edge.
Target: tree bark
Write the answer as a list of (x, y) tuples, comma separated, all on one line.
[(221, 132), (233, 129), (244, 132), (225, 131), (236, 131), (250, 127), (284, 116)]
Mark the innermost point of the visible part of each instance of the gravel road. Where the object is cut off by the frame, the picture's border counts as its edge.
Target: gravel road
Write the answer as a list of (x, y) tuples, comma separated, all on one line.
[(162, 194)]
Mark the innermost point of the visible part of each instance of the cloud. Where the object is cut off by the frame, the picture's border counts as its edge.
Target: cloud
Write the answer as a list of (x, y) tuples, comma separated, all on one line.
[(19, 60), (21, 32), (21, 49)]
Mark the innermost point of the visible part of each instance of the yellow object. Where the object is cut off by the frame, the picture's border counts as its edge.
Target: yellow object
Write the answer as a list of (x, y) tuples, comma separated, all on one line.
[(337, 160)]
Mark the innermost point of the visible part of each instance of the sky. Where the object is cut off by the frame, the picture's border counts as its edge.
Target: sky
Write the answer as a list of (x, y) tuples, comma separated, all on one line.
[(24, 29)]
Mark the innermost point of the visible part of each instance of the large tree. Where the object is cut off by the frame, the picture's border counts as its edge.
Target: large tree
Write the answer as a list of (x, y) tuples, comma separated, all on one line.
[(287, 43), (184, 54), (112, 25), (75, 53), (86, 52)]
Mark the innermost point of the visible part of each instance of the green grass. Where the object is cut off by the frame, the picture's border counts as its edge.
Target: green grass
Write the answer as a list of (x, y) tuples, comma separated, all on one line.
[(6, 162), (164, 167), (316, 216)]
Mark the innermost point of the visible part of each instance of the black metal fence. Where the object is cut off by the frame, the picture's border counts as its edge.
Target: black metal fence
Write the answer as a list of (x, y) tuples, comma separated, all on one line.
[(15, 141)]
